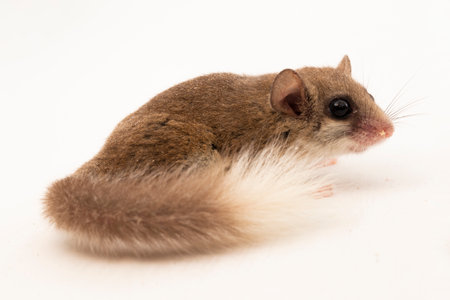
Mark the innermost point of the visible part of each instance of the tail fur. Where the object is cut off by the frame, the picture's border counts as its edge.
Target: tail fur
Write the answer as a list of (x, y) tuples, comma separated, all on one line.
[(230, 203)]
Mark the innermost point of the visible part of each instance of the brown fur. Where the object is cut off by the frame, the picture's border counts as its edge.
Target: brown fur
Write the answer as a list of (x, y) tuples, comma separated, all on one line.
[(136, 189), (155, 209)]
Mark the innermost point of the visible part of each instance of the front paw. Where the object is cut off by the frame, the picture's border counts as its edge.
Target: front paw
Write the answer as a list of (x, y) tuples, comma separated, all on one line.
[(324, 192)]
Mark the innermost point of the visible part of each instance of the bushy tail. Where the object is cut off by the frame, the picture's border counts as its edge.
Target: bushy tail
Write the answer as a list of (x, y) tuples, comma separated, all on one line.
[(230, 203)]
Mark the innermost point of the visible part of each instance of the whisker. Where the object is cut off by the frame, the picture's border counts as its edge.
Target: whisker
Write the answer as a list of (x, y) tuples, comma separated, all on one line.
[(393, 102), (397, 96), (408, 116), (394, 113), (363, 79)]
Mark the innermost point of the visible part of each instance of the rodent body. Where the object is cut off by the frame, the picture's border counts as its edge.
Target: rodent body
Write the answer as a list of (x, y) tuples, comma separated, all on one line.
[(190, 122), (194, 121), (201, 121)]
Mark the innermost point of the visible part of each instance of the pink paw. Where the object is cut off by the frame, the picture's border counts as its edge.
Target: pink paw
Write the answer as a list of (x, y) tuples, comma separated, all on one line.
[(324, 192), (328, 162)]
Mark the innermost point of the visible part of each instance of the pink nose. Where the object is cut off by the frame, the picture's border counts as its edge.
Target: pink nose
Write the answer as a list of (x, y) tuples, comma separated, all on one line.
[(386, 130), (375, 131)]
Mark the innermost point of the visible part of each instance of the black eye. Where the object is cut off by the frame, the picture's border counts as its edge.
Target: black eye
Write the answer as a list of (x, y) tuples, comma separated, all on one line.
[(340, 108)]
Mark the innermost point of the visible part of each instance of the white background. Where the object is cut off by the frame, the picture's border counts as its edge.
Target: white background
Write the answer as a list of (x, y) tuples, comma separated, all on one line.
[(70, 70)]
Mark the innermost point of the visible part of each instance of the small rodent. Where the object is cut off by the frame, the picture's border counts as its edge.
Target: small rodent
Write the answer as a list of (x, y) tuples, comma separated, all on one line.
[(165, 180)]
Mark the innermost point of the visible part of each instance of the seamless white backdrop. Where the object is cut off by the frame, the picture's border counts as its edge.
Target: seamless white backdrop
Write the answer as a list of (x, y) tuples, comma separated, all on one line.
[(70, 70)]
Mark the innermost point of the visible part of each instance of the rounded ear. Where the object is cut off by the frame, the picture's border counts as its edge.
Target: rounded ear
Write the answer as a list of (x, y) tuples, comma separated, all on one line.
[(288, 93), (345, 66)]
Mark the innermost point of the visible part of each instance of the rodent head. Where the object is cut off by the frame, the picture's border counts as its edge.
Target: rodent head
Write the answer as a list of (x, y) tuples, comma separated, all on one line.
[(342, 115)]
